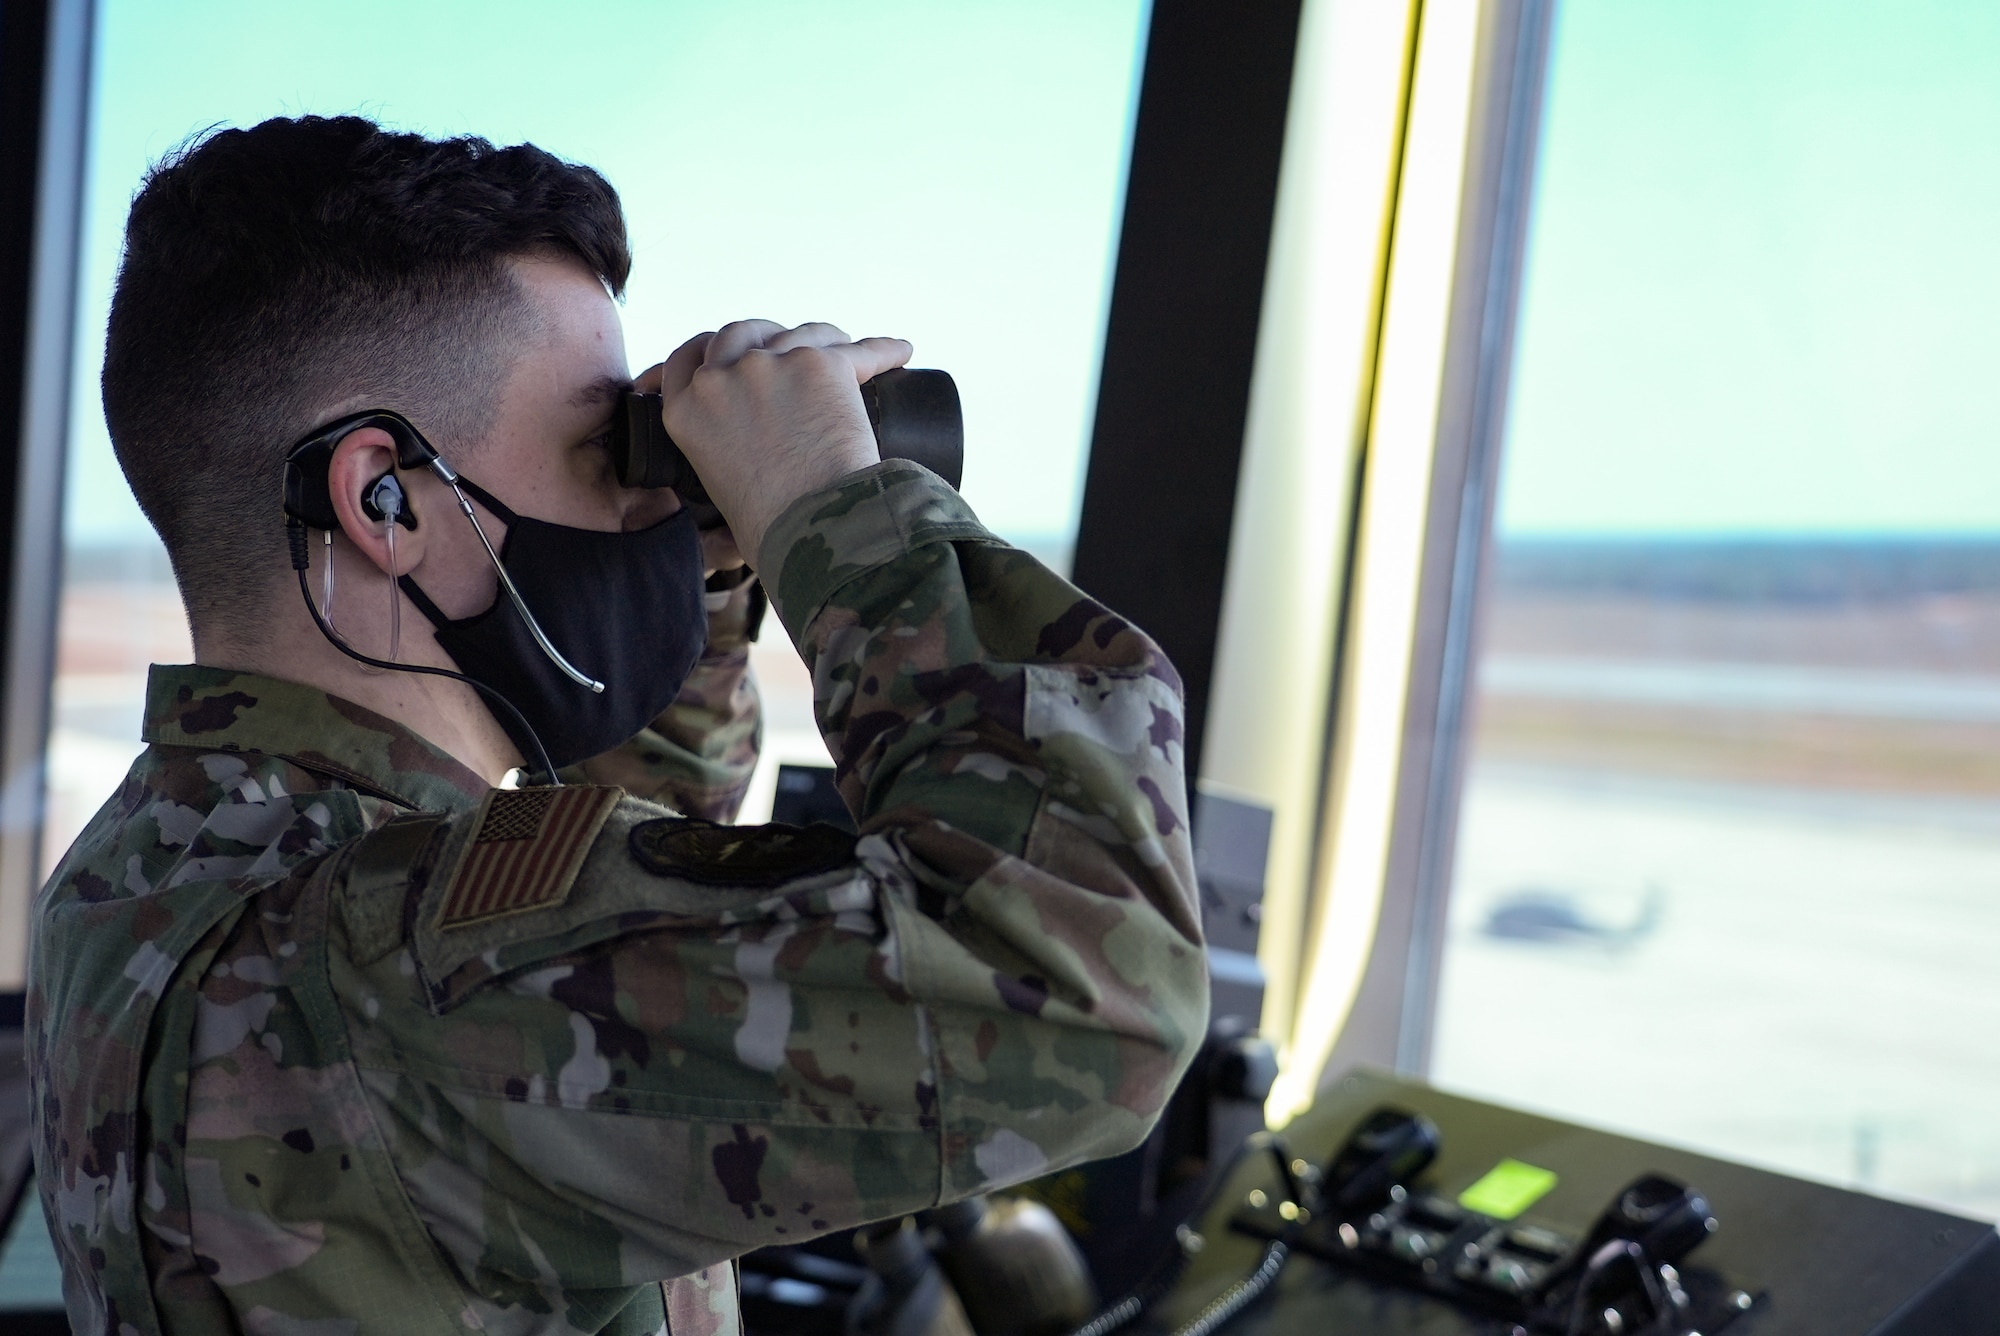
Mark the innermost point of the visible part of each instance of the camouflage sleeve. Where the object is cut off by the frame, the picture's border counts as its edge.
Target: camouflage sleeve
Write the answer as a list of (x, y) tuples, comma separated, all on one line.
[(697, 756), (697, 1040)]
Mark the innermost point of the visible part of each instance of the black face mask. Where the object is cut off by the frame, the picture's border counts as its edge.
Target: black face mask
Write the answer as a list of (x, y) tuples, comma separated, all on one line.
[(624, 608)]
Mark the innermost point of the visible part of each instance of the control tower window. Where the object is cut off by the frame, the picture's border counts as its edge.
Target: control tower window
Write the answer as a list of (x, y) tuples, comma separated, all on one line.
[(1731, 828)]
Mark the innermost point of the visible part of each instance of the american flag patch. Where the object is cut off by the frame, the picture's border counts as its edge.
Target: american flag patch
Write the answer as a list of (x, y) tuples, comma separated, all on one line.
[(526, 848)]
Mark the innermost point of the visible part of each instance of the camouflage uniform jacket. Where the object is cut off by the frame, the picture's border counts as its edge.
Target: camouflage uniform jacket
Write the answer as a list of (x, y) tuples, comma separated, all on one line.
[(305, 1064)]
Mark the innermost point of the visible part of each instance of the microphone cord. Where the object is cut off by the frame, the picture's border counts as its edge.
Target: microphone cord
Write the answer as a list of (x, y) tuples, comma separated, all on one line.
[(297, 536), (1239, 1295)]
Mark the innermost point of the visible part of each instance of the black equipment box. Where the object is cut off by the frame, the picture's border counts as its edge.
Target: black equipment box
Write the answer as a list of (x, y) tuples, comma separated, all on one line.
[(1785, 1258)]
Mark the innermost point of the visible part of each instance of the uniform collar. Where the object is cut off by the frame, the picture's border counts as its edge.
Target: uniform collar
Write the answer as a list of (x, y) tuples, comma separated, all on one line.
[(219, 710)]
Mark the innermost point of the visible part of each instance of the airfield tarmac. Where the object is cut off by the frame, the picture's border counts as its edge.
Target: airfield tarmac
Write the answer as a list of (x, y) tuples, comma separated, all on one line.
[(1817, 996)]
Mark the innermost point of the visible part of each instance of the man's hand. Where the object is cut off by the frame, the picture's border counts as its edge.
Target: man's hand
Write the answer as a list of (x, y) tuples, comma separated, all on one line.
[(768, 414), (718, 545)]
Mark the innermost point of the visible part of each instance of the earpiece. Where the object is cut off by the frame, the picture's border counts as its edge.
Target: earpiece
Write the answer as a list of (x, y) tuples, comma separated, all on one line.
[(308, 492), (383, 501)]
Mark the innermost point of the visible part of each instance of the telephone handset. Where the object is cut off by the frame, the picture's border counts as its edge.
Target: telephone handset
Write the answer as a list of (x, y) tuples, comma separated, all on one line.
[(1390, 1148), (1664, 1217), (1628, 1279)]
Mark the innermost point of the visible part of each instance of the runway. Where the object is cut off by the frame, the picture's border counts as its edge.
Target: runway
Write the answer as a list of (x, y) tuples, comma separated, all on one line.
[(1795, 689)]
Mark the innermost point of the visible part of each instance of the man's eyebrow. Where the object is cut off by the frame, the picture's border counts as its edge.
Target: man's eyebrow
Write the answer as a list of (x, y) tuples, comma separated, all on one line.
[(600, 392)]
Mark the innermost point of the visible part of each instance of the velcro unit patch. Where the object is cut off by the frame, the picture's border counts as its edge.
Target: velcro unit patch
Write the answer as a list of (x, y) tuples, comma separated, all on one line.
[(717, 855), (525, 850)]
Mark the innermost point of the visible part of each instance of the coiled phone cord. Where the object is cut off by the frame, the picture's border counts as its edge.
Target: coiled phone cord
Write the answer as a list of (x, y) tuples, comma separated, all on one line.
[(1112, 1318), (1238, 1296)]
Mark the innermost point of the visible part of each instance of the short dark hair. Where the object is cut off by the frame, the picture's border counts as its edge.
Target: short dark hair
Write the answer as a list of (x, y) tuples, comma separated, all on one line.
[(275, 274)]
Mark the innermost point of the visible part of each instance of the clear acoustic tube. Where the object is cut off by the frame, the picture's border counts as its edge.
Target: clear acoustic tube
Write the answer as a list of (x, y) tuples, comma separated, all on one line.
[(395, 600), (326, 579)]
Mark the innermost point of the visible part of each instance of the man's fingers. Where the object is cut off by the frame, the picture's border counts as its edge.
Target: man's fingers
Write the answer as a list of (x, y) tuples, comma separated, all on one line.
[(718, 551), (679, 369), (767, 429), (812, 334), (726, 346), (871, 357), (737, 338), (648, 381)]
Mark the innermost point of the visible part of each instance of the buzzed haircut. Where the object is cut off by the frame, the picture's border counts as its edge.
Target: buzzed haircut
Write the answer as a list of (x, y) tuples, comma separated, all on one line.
[(277, 275)]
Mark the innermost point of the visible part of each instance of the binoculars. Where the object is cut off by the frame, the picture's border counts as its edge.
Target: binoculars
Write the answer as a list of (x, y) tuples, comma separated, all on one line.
[(915, 414)]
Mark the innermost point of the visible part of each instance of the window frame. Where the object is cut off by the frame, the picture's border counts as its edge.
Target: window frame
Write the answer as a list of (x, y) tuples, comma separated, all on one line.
[(45, 74)]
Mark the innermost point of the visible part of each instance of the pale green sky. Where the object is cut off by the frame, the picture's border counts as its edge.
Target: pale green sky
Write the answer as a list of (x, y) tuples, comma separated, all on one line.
[(947, 172), (1764, 271)]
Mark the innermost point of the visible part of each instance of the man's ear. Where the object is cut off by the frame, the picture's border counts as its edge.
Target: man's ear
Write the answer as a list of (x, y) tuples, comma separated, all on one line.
[(357, 466)]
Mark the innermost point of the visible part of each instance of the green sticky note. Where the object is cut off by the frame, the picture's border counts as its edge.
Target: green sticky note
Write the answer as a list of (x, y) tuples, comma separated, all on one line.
[(1507, 1189)]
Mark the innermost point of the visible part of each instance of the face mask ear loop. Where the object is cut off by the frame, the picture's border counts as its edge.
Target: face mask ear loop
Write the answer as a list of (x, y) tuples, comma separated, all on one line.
[(450, 479)]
